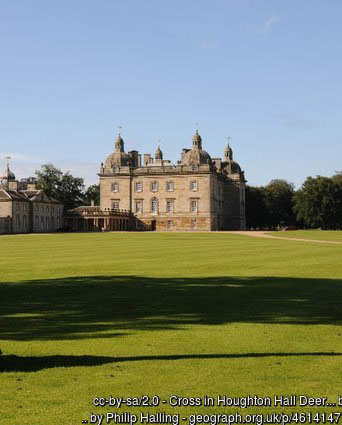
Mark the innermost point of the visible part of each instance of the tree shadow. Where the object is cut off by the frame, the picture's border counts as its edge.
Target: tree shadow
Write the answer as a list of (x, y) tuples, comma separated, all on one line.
[(34, 364), (112, 306)]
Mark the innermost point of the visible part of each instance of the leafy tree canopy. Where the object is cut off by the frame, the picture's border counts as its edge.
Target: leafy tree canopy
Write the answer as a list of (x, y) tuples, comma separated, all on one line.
[(318, 203), (92, 194), (62, 186)]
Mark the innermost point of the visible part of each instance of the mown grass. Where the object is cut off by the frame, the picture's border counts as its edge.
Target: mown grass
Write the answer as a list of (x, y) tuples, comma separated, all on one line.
[(86, 315), (323, 235)]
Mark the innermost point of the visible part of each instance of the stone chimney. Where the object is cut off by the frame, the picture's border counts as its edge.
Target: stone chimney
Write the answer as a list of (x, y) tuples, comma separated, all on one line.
[(31, 186), (13, 185), (147, 158)]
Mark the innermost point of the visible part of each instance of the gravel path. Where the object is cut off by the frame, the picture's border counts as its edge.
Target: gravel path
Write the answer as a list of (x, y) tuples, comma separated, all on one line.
[(260, 234)]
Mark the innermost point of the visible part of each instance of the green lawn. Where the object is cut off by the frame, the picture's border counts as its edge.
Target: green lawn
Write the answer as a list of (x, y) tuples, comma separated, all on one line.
[(127, 314), (323, 235)]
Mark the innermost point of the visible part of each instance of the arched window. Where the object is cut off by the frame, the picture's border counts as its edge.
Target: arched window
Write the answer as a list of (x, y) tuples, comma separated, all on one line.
[(154, 205), (194, 167)]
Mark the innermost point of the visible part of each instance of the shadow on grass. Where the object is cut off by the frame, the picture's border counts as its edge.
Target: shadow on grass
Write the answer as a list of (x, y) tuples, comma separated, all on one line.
[(113, 306), (34, 364)]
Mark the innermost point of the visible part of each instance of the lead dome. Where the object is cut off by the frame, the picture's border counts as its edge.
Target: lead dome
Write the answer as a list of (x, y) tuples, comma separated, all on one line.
[(196, 155)]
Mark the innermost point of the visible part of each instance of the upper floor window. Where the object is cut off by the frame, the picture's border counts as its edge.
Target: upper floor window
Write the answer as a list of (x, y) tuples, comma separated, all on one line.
[(17, 206), (154, 186), (115, 187), (37, 207), (52, 209), (58, 209), (193, 205), (154, 205), (25, 207), (47, 208), (115, 204), (36, 221), (170, 205), (194, 167), (169, 186), (42, 208), (138, 186), (194, 185)]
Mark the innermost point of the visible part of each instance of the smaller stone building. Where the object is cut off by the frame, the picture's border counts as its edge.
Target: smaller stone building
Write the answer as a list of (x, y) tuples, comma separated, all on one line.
[(27, 210)]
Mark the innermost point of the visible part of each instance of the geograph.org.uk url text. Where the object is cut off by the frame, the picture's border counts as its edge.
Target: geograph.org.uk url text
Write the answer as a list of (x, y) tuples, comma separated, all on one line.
[(214, 419)]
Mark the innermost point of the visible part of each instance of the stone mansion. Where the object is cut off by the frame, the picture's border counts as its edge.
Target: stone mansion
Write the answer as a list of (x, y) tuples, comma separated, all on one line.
[(199, 193), (26, 209)]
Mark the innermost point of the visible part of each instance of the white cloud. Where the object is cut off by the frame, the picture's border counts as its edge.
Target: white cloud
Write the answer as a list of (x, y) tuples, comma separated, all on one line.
[(268, 25)]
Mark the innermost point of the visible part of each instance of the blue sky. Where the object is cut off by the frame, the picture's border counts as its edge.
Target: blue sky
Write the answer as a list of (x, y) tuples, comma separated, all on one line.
[(266, 73)]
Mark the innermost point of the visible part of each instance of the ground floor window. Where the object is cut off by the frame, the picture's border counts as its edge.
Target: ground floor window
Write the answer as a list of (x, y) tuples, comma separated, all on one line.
[(25, 220), (193, 223), (115, 204), (17, 221), (169, 205), (53, 222), (154, 205), (58, 222), (193, 205), (169, 224), (42, 222), (138, 206)]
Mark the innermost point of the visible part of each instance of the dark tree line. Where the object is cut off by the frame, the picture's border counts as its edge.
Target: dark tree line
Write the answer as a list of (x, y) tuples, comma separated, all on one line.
[(317, 204)]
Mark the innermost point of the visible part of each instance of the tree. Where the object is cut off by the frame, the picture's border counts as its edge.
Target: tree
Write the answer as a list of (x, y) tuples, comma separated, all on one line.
[(71, 191), (48, 179), (62, 186), (92, 194), (256, 211), (279, 203), (319, 202)]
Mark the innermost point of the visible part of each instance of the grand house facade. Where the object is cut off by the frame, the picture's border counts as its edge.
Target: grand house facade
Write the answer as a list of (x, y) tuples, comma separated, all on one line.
[(199, 193)]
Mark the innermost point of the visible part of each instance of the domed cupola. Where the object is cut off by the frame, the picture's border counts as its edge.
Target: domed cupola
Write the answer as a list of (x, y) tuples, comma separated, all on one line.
[(196, 155), (7, 180), (119, 144), (7, 175), (159, 153), (196, 141), (228, 153), (119, 158), (230, 166)]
